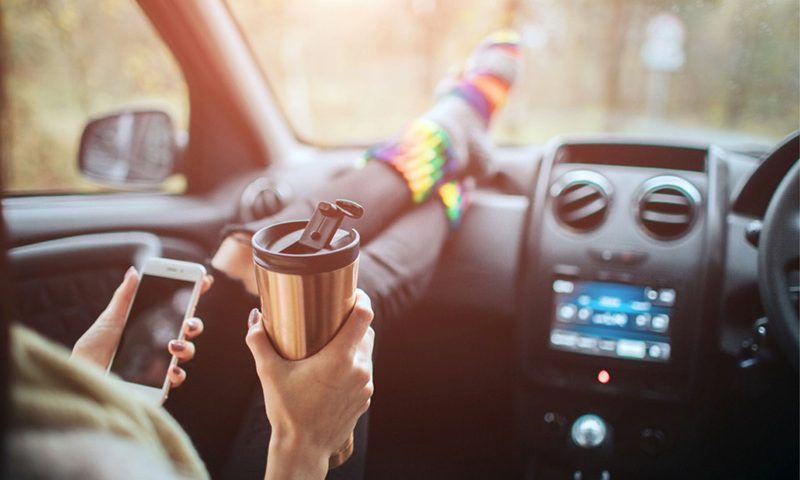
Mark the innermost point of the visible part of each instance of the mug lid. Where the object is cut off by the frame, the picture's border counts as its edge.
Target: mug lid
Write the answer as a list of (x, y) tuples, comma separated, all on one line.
[(274, 248)]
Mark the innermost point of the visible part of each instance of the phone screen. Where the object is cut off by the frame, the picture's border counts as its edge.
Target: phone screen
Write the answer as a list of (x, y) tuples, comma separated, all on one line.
[(155, 318)]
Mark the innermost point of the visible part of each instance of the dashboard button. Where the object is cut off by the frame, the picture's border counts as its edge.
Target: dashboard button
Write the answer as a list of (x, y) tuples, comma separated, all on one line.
[(620, 257), (630, 257), (602, 254), (631, 348), (654, 351), (553, 424), (666, 296), (567, 312), (588, 431), (660, 323), (642, 320), (607, 345)]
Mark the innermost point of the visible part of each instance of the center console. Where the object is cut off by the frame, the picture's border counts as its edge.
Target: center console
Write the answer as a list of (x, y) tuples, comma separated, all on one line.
[(615, 306)]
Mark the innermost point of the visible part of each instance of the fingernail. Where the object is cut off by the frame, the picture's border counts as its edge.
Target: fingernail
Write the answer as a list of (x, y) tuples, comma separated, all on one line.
[(130, 271), (176, 370), (177, 345), (210, 278), (193, 324), (253, 318)]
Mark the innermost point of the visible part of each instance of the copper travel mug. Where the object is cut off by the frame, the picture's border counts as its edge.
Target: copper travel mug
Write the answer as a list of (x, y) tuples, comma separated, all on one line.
[(307, 273)]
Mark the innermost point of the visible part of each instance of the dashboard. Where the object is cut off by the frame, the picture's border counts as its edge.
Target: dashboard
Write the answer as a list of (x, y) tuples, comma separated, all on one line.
[(622, 261), (625, 234), (630, 273)]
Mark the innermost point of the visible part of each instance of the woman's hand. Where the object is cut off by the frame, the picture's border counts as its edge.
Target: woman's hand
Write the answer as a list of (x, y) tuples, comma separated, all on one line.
[(99, 342), (313, 404)]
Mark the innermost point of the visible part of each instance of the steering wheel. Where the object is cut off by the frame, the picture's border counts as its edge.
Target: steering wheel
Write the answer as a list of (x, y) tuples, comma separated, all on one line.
[(778, 255)]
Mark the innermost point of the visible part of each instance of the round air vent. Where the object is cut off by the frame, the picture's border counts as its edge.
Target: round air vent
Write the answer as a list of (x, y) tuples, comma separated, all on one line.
[(581, 199), (667, 207)]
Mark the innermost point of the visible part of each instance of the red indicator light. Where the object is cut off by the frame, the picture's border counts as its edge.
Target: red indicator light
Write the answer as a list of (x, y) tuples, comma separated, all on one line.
[(603, 376)]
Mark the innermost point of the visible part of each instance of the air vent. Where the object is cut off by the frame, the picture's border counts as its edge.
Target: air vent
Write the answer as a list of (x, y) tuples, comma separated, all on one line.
[(667, 207), (581, 199)]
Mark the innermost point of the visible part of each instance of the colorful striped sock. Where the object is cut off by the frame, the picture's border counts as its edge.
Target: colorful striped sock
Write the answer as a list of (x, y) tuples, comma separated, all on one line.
[(422, 154), (484, 85), (442, 145), (455, 198)]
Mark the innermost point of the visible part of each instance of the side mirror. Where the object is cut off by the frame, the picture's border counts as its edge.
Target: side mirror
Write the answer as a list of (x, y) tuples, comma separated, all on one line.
[(130, 148)]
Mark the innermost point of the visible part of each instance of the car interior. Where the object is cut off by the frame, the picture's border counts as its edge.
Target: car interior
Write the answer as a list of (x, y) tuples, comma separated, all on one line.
[(614, 305)]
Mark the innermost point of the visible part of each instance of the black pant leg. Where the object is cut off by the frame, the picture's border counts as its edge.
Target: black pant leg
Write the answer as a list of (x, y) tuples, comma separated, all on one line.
[(212, 403), (376, 187), (396, 268)]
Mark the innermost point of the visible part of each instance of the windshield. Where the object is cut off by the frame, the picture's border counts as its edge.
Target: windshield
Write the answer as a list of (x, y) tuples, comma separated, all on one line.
[(352, 72)]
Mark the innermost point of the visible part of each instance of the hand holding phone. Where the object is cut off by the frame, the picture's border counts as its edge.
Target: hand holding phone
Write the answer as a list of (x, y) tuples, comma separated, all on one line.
[(165, 298), (99, 342)]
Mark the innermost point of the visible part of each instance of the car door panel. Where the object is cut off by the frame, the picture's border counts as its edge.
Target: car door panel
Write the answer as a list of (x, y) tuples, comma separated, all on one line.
[(63, 285), (35, 219)]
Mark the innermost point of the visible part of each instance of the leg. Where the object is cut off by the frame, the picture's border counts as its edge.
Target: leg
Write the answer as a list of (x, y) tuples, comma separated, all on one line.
[(396, 268), (377, 188), (446, 143)]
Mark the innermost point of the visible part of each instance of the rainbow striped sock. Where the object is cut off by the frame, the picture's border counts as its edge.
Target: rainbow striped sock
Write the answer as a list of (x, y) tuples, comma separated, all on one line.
[(483, 87), (422, 155), (455, 198)]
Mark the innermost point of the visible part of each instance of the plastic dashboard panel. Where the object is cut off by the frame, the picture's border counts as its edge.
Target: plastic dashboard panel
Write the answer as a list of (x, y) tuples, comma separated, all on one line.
[(691, 265)]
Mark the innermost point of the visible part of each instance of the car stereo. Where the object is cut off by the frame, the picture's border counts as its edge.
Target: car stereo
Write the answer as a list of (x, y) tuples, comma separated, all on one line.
[(612, 320)]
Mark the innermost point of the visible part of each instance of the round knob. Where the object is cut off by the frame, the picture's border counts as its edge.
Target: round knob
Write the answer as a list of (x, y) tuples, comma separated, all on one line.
[(589, 431)]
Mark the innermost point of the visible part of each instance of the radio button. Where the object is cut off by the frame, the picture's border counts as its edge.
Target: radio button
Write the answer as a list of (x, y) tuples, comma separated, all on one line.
[(620, 257), (584, 314), (651, 294), (660, 323), (607, 345), (588, 431), (561, 338), (631, 349), (587, 343), (666, 296), (654, 351), (567, 312)]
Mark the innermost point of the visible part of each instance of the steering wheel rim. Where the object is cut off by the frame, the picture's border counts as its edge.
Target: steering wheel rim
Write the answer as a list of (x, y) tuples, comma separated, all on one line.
[(779, 243)]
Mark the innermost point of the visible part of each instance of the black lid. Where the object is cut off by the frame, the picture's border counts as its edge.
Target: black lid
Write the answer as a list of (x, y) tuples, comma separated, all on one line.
[(271, 245)]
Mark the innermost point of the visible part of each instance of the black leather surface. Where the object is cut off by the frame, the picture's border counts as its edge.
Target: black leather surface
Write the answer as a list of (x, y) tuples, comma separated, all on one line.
[(777, 256), (62, 306), (61, 286)]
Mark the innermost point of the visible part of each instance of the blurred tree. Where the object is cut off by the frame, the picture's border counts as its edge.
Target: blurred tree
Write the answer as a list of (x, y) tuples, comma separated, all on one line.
[(71, 60)]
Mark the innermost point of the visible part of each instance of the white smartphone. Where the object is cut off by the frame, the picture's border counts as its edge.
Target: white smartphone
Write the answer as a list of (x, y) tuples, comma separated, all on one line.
[(167, 295)]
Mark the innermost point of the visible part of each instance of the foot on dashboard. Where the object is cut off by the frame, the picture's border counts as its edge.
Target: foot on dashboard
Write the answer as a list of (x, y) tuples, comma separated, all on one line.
[(450, 141)]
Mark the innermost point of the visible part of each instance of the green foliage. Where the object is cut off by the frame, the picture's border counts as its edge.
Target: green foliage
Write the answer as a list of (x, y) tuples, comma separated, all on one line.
[(353, 71), (70, 61)]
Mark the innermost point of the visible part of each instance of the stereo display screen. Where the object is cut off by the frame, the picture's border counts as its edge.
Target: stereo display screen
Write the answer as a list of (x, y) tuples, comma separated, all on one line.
[(612, 320)]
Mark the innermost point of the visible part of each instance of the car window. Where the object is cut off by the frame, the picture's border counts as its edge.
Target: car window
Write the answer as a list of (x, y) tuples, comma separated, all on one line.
[(351, 72), (71, 61)]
